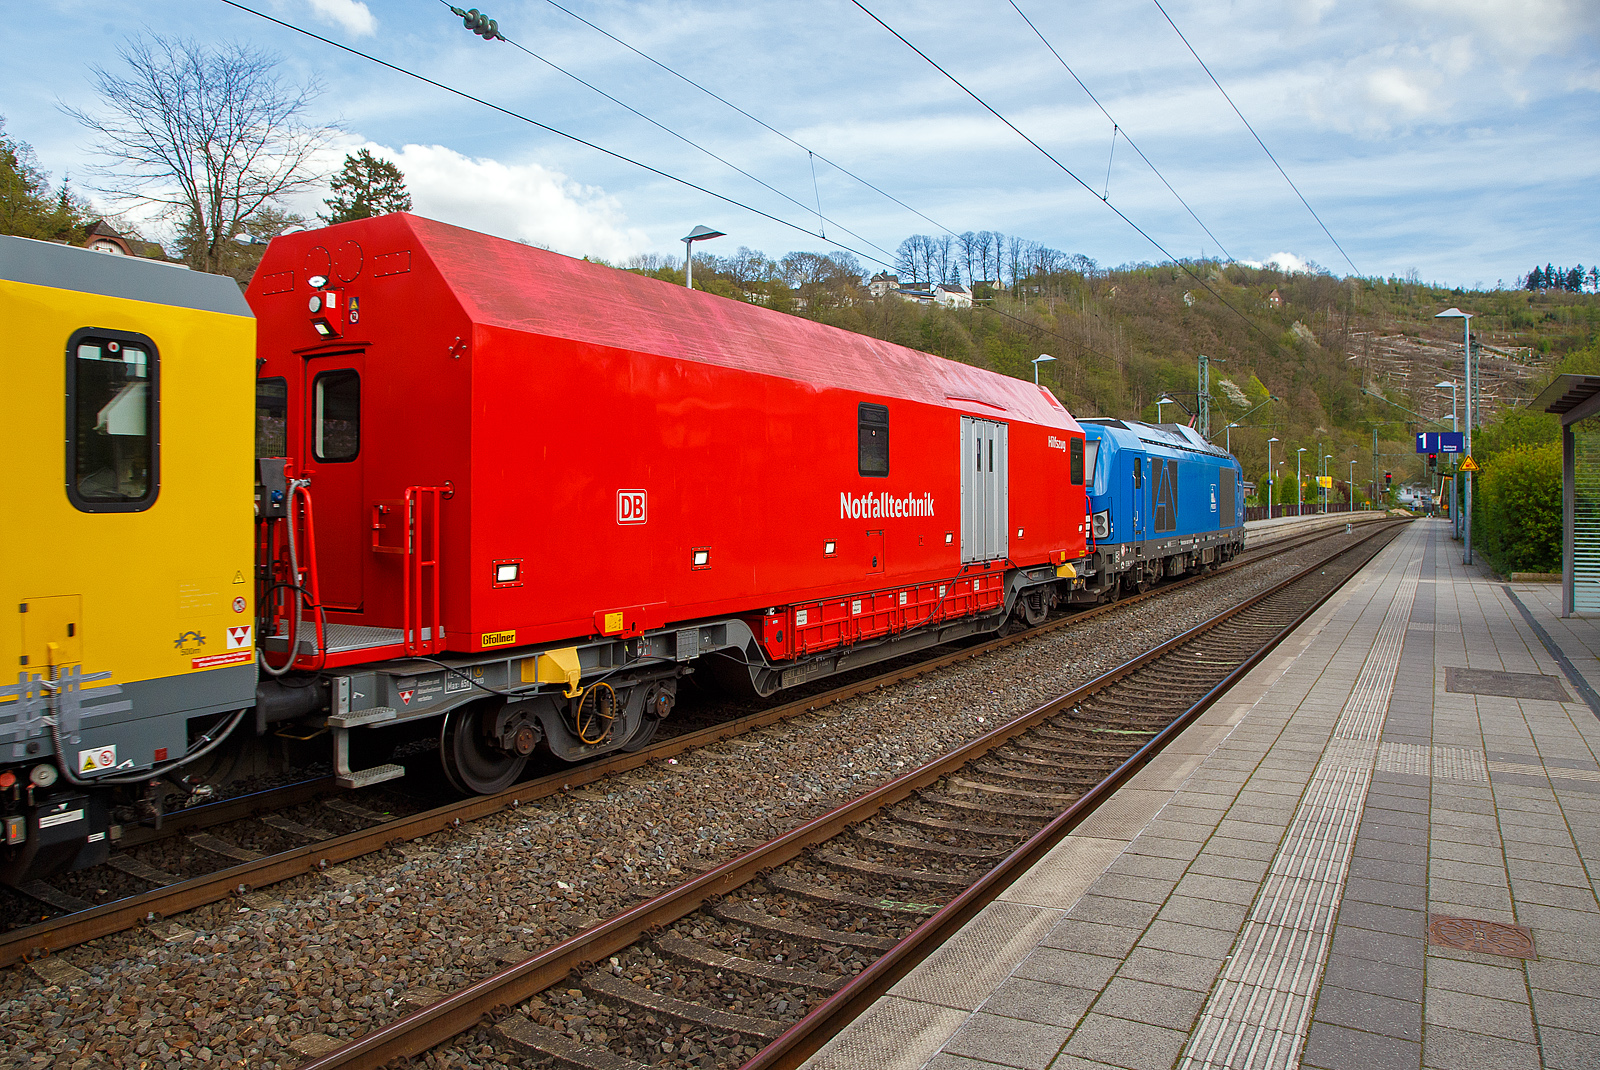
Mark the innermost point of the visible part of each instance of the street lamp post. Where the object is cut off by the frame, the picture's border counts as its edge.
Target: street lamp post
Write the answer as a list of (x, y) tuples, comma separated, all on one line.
[(1325, 459), (697, 234), (1299, 484), (1228, 437), (1466, 353), (1455, 425), (1160, 401), (1044, 357), (1271, 483), (1352, 485)]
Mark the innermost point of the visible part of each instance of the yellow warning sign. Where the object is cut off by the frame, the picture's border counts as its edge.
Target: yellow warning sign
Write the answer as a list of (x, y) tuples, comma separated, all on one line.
[(1325, 481), (1469, 465), (238, 577)]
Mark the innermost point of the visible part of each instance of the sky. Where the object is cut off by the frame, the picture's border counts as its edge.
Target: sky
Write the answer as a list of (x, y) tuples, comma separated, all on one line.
[(1453, 139)]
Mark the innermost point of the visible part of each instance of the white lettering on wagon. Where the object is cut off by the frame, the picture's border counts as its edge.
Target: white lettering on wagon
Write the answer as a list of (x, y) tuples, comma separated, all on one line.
[(883, 506), (1055, 443)]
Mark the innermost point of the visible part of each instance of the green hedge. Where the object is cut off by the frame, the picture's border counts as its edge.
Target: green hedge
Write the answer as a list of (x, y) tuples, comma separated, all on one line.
[(1517, 509)]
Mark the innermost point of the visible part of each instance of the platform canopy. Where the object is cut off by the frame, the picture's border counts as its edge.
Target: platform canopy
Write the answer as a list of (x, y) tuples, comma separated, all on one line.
[(1575, 398)]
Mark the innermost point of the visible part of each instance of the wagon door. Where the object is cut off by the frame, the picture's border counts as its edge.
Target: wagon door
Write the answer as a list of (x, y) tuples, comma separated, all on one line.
[(334, 463), (985, 511)]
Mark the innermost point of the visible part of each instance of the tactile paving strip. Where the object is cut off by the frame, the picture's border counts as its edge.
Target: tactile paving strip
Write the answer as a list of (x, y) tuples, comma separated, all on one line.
[(1258, 1013), (1441, 763)]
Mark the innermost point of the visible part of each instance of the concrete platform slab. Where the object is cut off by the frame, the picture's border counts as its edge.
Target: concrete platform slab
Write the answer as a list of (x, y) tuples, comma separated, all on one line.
[(1427, 744)]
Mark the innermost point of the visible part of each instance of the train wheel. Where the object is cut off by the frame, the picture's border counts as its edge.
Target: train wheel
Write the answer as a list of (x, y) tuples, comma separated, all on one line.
[(473, 764)]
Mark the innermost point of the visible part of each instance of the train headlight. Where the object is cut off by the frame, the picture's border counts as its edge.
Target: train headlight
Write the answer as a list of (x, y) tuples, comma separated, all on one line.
[(1102, 524)]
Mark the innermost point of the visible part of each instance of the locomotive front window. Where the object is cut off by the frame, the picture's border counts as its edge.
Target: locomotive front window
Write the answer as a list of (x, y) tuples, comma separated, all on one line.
[(1138, 473), (272, 417), (872, 439), (1076, 447), (338, 415), (112, 421)]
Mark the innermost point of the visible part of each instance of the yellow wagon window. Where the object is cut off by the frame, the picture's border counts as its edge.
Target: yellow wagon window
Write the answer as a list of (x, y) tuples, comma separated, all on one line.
[(112, 421)]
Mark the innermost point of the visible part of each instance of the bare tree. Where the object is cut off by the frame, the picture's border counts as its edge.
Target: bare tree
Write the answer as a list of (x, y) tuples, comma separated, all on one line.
[(208, 137)]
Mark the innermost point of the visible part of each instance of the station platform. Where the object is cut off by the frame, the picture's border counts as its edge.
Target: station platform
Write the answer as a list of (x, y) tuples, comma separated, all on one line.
[(1379, 850)]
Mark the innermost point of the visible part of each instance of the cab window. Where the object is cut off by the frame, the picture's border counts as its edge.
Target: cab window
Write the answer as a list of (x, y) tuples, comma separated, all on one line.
[(872, 440), (112, 421), (272, 417), (1075, 446), (338, 415)]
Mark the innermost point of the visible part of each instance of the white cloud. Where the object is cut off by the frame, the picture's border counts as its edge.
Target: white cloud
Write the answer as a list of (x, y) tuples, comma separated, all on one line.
[(352, 15), (521, 201), (1285, 262)]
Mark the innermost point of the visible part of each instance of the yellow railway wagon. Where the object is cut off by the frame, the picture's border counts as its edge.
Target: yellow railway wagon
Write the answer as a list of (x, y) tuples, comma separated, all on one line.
[(126, 417)]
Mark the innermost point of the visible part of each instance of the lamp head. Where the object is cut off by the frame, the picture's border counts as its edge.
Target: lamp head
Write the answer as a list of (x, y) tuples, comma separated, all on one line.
[(1272, 439), (1453, 313), (1042, 356), (702, 233)]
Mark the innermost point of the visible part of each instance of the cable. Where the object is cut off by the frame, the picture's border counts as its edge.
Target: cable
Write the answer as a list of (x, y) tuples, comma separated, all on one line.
[(1069, 172), (688, 141), (1116, 128), (1257, 136), (547, 128), (722, 100)]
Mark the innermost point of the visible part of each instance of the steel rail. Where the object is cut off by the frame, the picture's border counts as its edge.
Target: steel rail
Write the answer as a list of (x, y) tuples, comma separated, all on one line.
[(453, 1014), (31, 942)]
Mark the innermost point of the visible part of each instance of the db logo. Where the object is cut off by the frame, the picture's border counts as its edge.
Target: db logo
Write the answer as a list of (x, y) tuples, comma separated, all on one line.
[(630, 507)]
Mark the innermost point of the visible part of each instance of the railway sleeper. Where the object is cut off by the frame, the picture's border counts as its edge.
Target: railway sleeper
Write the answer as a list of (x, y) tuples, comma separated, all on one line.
[(697, 954), (527, 1037), (782, 882), (742, 913), (1074, 763), (924, 821), (898, 873), (986, 806), (978, 786), (610, 986), (994, 768), (904, 844)]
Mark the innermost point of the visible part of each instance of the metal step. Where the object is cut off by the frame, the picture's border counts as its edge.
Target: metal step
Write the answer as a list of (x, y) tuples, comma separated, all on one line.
[(376, 715), (365, 778)]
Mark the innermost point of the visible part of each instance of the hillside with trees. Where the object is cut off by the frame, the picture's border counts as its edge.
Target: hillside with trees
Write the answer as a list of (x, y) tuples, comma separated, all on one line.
[(1344, 356)]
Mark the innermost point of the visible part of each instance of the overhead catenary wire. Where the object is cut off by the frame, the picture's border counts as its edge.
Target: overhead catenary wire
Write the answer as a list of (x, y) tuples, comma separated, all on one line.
[(513, 42), (1066, 170), (1117, 128), (759, 122), (1257, 136), (724, 198)]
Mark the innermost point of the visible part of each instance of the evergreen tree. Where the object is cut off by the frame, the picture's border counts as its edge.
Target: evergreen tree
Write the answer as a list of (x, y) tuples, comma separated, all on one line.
[(27, 206), (366, 186), (1575, 279), (1552, 281), (1536, 278)]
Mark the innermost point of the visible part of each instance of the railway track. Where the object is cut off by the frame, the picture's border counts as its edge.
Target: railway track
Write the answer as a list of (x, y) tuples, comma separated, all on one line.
[(361, 826), (760, 960)]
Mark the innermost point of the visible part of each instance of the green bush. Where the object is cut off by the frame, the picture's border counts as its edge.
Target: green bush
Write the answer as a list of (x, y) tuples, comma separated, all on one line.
[(1517, 511)]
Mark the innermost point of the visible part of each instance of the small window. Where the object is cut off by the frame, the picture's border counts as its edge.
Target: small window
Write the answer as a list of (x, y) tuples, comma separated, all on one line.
[(1075, 446), (872, 439), (338, 416), (1138, 473), (112, 421), (272, 417)]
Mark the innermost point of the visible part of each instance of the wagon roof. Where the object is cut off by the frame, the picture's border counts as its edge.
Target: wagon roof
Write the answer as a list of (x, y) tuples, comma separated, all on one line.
[(506, 284)]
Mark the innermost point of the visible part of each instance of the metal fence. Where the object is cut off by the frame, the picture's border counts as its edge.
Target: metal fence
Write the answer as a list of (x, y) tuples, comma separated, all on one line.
[(1268, 512)]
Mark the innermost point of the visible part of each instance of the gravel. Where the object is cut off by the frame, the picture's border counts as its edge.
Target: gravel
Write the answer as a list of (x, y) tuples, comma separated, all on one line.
[(232, 985)]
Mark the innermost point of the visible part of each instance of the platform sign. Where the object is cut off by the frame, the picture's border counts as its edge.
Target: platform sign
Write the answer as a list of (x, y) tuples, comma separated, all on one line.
[(1441, 442), (1325, 482)]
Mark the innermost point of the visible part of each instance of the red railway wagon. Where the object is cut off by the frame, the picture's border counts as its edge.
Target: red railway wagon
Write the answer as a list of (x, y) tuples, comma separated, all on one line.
[(566, 485)]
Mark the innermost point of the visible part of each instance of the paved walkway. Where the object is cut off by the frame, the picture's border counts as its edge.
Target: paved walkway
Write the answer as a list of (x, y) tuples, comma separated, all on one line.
[(1290, 883)]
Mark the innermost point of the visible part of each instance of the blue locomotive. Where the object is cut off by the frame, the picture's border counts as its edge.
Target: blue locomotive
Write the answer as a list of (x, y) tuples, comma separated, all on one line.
[(1163, 501)]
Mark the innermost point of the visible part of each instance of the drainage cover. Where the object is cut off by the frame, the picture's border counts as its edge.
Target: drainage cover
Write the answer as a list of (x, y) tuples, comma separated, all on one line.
[(1505, 684), (1489, 937)]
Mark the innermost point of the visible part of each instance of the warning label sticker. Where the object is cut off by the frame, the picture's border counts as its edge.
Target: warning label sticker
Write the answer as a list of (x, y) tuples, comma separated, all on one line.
[(65, 817), (91, 761), (212, 661), (239, 638)]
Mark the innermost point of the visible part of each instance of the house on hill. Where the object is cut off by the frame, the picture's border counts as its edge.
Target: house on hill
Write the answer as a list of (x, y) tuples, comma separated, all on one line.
[(1275, 299)]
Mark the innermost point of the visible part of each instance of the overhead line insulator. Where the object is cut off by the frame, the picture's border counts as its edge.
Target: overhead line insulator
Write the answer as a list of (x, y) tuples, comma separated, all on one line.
[(479, 23)]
